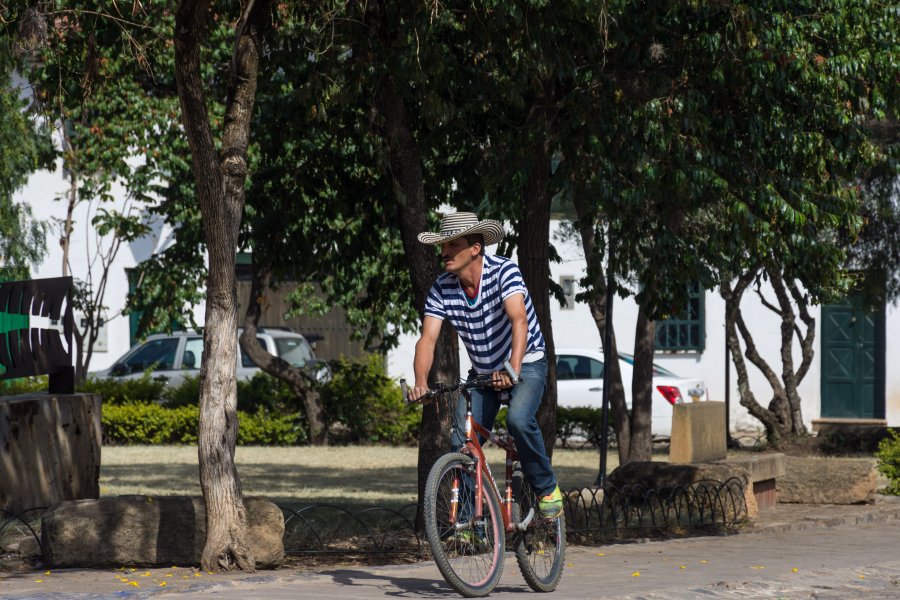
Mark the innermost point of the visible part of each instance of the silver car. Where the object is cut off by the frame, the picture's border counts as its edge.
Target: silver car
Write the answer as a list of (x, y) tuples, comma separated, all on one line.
[(579, 382), (178, 355)]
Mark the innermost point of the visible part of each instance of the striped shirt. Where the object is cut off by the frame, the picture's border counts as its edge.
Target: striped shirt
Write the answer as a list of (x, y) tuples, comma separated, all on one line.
[(484, 326)]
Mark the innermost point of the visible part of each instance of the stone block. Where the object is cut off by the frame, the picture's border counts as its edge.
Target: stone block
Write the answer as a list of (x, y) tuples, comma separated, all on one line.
[(698, 433), (828, 480), (765, 469), (762, 466), (49, 449), (646, 476), (147, 530)]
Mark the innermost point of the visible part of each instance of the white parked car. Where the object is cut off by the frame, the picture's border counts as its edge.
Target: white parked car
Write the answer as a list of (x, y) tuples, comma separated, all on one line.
[(175, 356), (579, 382)]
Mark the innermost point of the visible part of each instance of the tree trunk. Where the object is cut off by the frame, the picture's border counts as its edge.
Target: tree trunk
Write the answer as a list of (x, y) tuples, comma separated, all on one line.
[(734, 323), (405, 162), (642, 389), (597, 303), (534, 262), (219, 179), (66, 240), (301, 383)]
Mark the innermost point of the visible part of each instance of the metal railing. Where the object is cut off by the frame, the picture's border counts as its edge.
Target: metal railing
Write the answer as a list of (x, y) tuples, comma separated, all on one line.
[(593, 515)]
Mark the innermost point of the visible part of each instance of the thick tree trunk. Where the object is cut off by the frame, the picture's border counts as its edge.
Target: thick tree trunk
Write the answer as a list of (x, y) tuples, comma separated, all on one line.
[(642, 389), (412, 211), (597, 303), (220, 189), (300, 382), (534, 262)]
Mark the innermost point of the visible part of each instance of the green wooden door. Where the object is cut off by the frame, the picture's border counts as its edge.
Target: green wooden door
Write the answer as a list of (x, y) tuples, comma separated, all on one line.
[(852, 361)]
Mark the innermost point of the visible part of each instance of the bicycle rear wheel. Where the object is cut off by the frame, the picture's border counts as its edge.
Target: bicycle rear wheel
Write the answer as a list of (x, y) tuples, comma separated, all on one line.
[(541, 548), (468, 551)]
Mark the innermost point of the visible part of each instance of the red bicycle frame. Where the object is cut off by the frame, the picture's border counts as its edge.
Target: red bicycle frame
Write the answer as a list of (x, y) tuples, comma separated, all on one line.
[(472, 447)]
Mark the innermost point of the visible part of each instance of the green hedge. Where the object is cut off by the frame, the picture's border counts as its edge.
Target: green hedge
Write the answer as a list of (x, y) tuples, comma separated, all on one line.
[(155, 424), (362, 405)]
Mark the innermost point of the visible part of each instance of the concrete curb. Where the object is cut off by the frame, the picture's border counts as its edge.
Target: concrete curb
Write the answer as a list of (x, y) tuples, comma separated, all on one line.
[(795, 517)]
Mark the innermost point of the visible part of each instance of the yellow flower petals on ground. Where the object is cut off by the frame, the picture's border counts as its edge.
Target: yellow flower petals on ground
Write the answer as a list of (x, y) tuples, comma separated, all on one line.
[(134, 584), (39, 581), (162, 583), (703, 562), (46, 572), (795, 570), (636, 574), (600, 554), (682, 567), (147, 574)]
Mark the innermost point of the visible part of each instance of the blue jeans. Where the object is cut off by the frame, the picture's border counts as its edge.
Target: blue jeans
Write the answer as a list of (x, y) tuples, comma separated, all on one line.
[(521, 421)]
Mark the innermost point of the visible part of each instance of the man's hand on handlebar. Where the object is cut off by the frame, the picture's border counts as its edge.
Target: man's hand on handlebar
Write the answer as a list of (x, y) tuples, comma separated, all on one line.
[(501, 380), (416, 392)]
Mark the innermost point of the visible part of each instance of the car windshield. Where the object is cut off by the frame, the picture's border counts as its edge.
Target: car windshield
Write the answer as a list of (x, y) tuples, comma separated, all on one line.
[(657, 370), (159, 354), (295, 351)]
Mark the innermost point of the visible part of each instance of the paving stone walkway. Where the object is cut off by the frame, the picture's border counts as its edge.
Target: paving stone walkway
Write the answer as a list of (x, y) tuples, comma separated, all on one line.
[(794, 552)]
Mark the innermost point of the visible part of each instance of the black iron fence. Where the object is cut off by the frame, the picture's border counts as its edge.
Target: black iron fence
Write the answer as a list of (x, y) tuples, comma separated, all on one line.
[(593, 515)]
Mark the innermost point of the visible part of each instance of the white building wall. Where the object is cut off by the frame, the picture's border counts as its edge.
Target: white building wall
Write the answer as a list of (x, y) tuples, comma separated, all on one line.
[(892, 366), (45, 193), (575, 328)]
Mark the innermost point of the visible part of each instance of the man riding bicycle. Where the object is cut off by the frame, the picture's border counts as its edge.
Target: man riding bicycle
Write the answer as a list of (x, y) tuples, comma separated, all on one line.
[(485, 299)]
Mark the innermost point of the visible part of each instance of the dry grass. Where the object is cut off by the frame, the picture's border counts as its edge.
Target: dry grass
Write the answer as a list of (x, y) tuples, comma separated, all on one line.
[(299, 476)]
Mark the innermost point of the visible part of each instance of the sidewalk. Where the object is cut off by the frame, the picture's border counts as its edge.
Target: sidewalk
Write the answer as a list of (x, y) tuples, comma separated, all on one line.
[(793, 551)]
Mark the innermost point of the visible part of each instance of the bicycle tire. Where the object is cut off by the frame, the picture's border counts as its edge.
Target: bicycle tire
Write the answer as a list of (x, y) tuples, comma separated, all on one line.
[(541, 548), (473, 567)]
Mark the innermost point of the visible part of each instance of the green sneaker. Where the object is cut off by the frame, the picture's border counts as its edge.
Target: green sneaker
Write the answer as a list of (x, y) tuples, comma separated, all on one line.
[(467, 538), (551, 505)]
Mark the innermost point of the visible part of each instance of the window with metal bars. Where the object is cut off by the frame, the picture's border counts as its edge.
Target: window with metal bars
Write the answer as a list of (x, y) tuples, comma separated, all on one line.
[(685, 332)]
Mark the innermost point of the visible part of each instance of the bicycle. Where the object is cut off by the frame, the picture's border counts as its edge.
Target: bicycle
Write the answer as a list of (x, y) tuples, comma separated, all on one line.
[(467, 519)]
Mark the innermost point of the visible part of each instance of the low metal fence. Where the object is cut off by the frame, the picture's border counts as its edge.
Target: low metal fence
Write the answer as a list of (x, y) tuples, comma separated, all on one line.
[(593, 515)]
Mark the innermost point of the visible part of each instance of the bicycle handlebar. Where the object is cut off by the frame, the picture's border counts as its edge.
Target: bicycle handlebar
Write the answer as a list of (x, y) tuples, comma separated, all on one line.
[(480, 381)]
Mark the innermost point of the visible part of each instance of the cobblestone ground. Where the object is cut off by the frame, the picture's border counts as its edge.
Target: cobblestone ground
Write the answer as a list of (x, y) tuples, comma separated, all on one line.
[(795, 558)]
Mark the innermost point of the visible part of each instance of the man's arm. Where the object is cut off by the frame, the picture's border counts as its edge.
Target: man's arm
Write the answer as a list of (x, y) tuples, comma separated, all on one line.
[(515, 310), (431, 328)]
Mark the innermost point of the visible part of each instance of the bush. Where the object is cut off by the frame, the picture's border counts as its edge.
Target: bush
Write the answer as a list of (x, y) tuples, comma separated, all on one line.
[(187, 393), (368, 404), (24, 385), (888, 455), (154, 424), (126, 391), (582, 424), (264, 392)]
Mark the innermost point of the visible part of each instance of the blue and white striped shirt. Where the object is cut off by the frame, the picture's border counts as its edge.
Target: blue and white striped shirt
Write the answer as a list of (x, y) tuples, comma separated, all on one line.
[(484, 326)]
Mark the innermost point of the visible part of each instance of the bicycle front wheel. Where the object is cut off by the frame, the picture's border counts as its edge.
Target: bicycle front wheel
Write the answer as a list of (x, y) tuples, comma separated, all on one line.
[(541, 548), (467, 548)]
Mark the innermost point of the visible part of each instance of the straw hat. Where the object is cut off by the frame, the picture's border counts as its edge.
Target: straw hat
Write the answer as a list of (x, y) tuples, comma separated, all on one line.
[(461, 224)]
